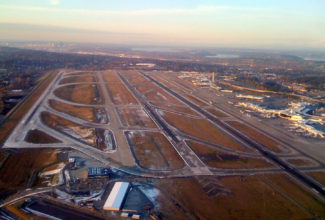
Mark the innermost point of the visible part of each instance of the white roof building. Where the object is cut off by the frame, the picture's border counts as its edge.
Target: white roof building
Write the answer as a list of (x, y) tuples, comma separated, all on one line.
[(116, 197)]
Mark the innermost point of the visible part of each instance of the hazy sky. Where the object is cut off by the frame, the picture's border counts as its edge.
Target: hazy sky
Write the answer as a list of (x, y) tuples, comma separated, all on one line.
[(248, 23)]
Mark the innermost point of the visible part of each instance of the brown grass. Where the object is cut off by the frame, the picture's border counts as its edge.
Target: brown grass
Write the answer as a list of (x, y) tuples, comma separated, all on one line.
[(217, 113), (78, 73), (78, 79), (39, 137), (301, 162), (143, 88), (318, 175), (86, 134), (120, 95), (161, 95), (172, 86), (137, 80), (111, 77), (249, 198), (196, 100), (298, 194), (259, 137), (84, 94), (179, 109), (219, 159), (135, 117), (85, 113), (201, 128), (10, 124), (133, 76), (153, 151), (19, 166)]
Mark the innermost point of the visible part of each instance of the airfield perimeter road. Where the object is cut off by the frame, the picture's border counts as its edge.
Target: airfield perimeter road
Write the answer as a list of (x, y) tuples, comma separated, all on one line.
[(293, 171), (189, 157), (122, 158)]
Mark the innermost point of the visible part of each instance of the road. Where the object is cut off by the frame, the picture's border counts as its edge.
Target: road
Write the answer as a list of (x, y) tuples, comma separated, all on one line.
[(262, 149), (122, 158)]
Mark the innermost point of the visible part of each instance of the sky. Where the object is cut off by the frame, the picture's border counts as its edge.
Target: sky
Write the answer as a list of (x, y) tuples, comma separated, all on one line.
[(217, 23)]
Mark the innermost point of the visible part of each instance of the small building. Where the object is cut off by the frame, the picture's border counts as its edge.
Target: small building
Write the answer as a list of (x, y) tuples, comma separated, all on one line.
[(124, 214), (116, 196), (95, 172), (135, 216)]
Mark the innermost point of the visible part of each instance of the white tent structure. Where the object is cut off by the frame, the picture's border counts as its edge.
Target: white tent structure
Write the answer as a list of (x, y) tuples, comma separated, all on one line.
[(116, 197)]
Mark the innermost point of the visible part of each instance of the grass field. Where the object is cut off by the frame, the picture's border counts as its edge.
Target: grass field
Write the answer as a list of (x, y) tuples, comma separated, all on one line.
[(92, 136), (80, 132), (217, 113), (78, 79), (135, 117), (301, 162), (38, 137), (111, 77), (120, 95), (83, 93), (318, 175), (219, 159), (176, 108), (78, 73), (137, 79), (145, 87), (286, 185), (96, 115), (259, 137), (10, 124), (18, 168), (202, 129), (153, 151), (161, 95), (195, 100), (249, 198)]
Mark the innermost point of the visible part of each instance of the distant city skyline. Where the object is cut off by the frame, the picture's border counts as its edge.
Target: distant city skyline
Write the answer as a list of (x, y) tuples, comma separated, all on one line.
[(256, 23)]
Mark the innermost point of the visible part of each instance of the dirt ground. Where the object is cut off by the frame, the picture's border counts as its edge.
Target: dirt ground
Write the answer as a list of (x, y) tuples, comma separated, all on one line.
[(153, 151)]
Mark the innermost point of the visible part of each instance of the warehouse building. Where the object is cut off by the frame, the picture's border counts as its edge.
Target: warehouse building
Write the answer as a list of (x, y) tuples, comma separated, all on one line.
[(116, 196)]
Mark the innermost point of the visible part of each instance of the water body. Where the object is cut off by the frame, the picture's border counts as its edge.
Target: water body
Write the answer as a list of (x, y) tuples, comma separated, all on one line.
[(224, 56), (314, 59)]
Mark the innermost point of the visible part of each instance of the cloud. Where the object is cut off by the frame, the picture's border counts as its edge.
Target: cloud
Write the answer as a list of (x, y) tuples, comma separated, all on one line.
[(54, 2), (150, 11)]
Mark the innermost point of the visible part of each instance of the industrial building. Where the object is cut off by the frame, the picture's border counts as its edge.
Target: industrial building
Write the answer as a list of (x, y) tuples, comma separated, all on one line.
[(116, 196)]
